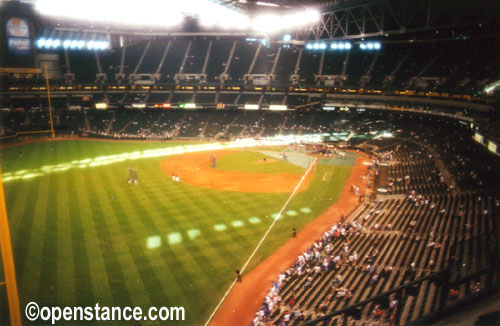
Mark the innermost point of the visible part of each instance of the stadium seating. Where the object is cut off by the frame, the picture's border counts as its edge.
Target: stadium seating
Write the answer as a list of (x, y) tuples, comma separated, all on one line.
[(218, 59), (153, 57), (286, 65), (196, 58), (173, 60), (422, 227), (241, 62)]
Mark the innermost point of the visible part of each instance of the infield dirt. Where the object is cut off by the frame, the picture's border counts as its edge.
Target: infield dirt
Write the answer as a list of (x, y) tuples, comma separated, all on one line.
[(194, 169)]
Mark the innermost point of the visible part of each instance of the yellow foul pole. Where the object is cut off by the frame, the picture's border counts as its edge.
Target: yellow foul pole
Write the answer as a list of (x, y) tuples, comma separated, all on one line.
[(8, 262), (50, 106)]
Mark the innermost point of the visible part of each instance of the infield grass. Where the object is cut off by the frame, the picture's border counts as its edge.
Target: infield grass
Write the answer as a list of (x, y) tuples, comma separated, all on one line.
[(84, 235), (253, 162)]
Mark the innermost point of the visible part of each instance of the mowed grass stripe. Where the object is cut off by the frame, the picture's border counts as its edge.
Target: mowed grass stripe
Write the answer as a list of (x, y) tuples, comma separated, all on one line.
[(184, 263), (17, 196), (170, 222), (190, 268), (79, 237), (66, 292), (131, 256), (131, 223), (35, 236), (195, 222), (235, 244), (101, 285), (114, 270), (228, 238), (23, 216), (47, 283)]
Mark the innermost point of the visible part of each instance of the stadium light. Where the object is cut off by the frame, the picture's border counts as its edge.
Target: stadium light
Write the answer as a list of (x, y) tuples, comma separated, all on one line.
[(49, 44), (370, 46), (211, 14), (272, 23), (171, 13), (40, 43), (148, 12), (208, 21), (265, 23), (266, 4)]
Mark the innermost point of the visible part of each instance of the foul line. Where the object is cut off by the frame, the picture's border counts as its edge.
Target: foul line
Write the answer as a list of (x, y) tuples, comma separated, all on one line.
[(261, 241)]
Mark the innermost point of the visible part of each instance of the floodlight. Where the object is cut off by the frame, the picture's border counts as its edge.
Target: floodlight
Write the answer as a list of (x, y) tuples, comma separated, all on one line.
[(56, 44), (334, 46), (362, 46), (377, 46), (40, 43), (322, 46), (240, 21), (370, 46), (208, 20), (267, 23), (347, 46), (73, 44), (309, 46), (287, 37), (48, 43), (66, 44), (341, 46), (234, 21), (316, 46), (290, 20), (266, 4), (310, 16), (81, 44), (90, 45)]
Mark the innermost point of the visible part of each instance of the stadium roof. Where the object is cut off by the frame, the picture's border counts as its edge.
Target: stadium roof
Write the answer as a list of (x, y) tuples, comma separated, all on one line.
[(252, 6)]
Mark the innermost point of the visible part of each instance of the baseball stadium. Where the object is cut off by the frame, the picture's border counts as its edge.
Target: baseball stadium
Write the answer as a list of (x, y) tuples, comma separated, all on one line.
[(250, 163)]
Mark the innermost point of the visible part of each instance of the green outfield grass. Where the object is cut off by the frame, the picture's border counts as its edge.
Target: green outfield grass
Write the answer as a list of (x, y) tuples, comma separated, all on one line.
[(83, 235), (251, 162)]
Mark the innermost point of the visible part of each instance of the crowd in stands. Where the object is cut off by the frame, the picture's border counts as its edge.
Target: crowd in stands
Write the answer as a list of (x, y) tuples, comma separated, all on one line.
[(424, 225)]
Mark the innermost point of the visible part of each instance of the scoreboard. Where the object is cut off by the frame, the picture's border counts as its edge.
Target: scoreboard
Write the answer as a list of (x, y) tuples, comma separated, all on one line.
[(17, 21)]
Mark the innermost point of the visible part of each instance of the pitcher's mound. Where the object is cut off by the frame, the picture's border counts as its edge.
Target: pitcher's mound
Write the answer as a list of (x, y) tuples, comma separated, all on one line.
[(194, 169)]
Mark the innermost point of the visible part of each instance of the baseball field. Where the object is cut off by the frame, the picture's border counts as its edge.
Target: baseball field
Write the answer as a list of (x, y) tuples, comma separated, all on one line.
[(83, 234)]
